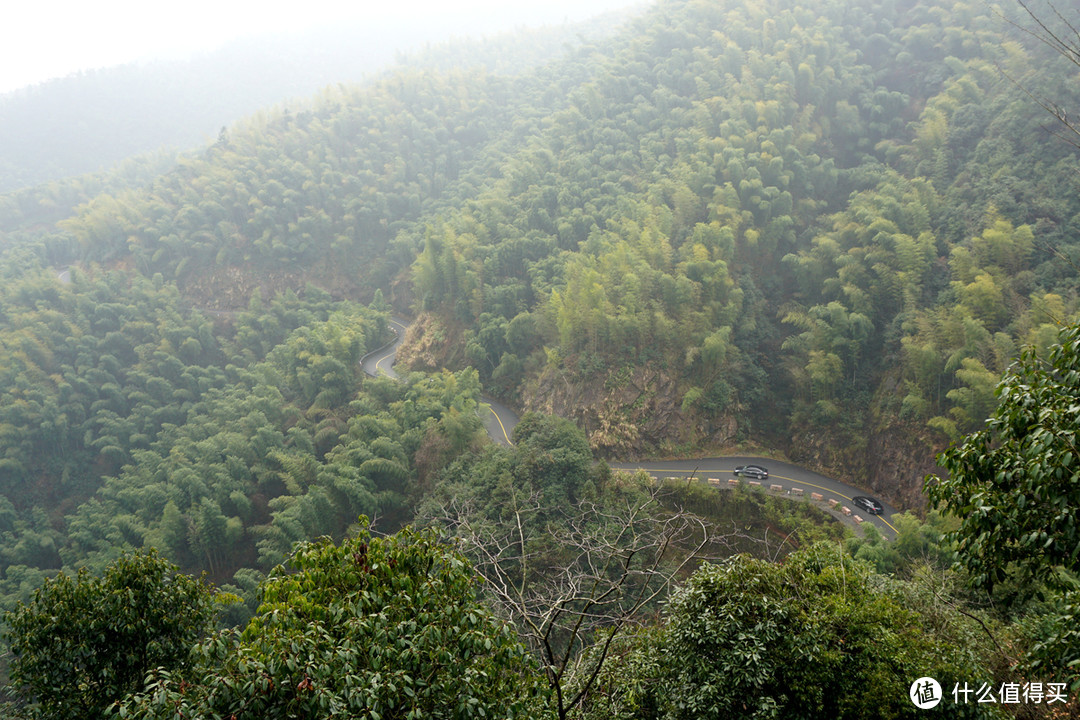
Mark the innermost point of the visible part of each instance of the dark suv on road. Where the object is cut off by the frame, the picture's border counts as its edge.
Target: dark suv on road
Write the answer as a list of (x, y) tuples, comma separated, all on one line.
[(870, 505), (752, 471)]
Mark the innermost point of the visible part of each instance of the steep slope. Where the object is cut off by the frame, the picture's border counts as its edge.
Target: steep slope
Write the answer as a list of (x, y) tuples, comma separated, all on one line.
[(93, 120), (212, 424), (821, 229), (824, 230)]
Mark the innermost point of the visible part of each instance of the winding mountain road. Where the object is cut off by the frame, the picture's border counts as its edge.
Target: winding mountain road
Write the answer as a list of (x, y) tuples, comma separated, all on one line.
[(382, 360), (784, 478), (499, 420)]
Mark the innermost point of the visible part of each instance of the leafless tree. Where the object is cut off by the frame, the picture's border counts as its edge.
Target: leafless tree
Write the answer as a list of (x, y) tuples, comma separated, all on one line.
[(578, 576), (1054, 29)]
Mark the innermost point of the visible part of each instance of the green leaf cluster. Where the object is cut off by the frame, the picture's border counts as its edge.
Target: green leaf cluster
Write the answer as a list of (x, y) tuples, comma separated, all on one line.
[(819, 636), (371, 628), (84, 642), (1013, 488), (1013, 484)]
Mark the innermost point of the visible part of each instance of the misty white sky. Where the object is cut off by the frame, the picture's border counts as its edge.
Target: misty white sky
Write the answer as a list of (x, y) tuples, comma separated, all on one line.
[(43, 39)]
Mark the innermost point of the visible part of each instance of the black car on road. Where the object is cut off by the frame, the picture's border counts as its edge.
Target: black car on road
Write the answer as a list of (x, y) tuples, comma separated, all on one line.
[(752, 471), (870, 505)]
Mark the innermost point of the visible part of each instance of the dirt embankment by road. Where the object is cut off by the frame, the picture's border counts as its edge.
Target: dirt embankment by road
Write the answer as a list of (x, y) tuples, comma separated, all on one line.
[(431, 344)]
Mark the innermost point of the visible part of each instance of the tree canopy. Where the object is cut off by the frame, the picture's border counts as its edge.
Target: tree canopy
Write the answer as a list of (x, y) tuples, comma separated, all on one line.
[(767, 221), (821, 228), (1013, 487), (1013, 483), (819, 636), (372, 628), (84, 642)]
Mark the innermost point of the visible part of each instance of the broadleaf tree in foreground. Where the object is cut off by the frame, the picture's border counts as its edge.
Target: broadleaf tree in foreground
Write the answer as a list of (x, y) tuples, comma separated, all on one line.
[(818, 636), (1015, 487), (83, 642), (371, 628), (1014, 484)]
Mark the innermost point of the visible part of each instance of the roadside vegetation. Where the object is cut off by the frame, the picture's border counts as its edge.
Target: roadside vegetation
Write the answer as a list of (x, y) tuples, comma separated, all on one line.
[(829, 230)]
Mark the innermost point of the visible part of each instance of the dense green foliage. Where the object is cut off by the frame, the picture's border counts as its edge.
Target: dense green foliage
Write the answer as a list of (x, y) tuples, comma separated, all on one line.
[(1013, 484), (825, 228), (85, 642), (320, 193), (817, 637), (740, 199), (574, 555), (549, 466), (758, 218), (130, 420), (372, 628), (1013, 487)]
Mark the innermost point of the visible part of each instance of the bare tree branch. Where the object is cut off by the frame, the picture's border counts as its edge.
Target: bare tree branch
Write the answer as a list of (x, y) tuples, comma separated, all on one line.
[(1065, 41), (577, 577), (1067, 47)]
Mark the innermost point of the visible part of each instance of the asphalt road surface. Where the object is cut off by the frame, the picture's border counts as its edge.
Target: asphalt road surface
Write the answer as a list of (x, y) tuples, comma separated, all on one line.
[(498, 419), (382, 360), (789, 479), (784, 478)]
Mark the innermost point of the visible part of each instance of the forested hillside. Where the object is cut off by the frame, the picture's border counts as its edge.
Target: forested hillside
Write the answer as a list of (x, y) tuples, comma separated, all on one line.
[(824, 231), (129, 420), (817, 229), (93, 120), (827, 230)]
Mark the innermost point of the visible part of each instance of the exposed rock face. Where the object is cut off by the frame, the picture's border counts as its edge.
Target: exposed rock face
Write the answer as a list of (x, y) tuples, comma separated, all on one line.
[(430, 345), (626, 413), (226, 287), (890, 462), (898, 459)]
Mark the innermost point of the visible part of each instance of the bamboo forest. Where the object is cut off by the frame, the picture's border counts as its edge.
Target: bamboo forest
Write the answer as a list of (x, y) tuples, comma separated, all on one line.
[(247, 387)]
